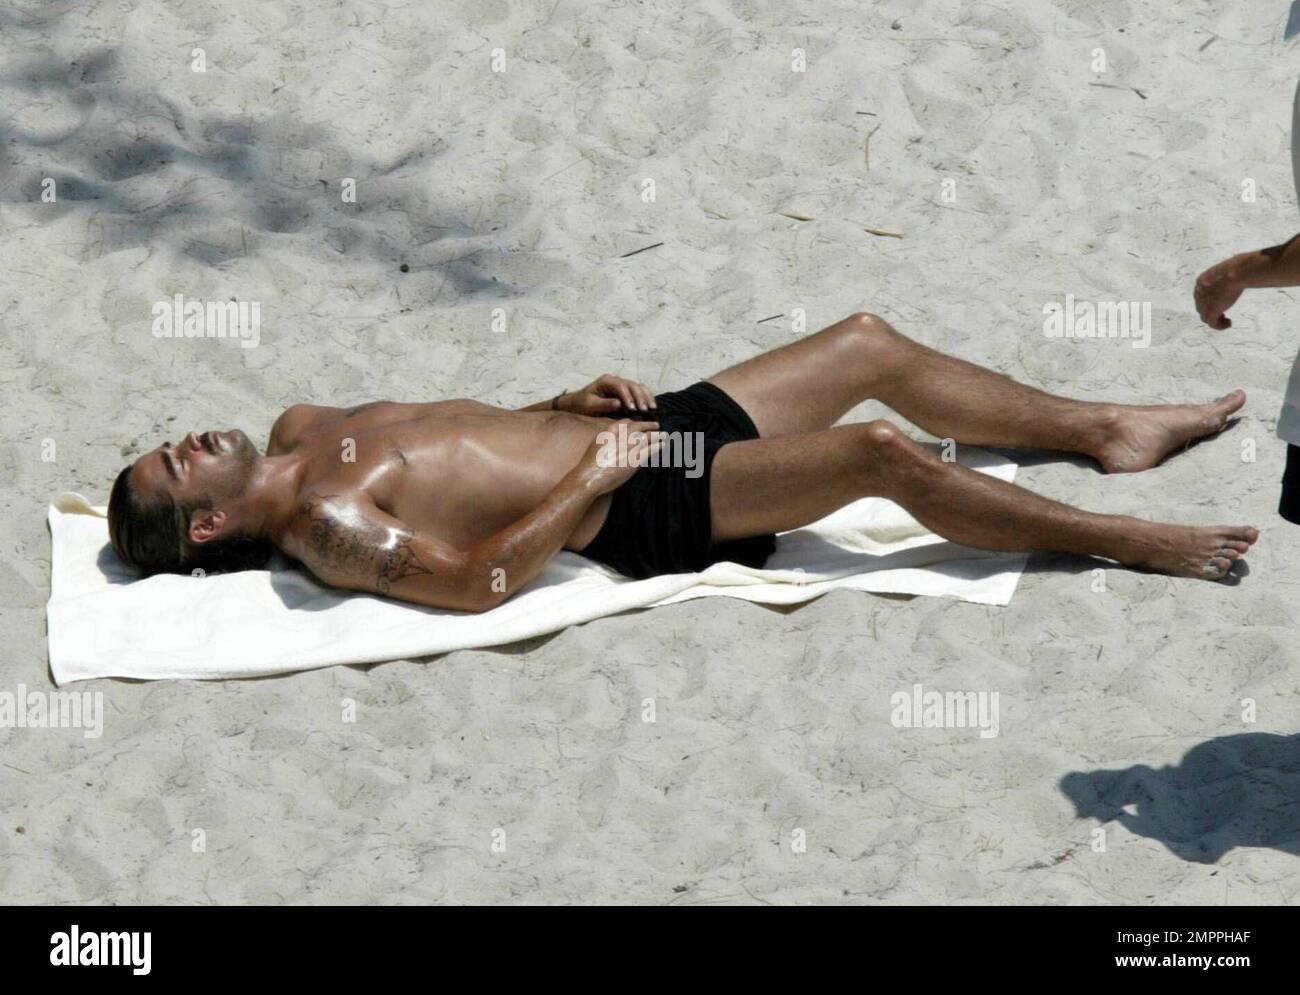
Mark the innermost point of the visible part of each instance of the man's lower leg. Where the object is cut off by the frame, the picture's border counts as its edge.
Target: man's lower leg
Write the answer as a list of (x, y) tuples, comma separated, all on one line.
[(981, 511), (951, 398)]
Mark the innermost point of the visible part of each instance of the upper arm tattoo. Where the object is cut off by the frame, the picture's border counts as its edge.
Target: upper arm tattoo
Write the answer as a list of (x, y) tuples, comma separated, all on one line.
[(346, 544)]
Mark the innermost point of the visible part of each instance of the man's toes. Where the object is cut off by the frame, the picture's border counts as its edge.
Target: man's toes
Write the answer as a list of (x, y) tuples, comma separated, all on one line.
[(1217, 412), (1229, 403), (1239, 534), (1217, 566)]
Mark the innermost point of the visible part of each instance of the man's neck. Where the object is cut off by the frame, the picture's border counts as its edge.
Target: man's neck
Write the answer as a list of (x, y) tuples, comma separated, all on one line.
[(269, 503)]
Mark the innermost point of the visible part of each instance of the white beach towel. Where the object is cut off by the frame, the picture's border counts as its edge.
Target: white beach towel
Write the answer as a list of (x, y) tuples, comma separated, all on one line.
[(105, 622)]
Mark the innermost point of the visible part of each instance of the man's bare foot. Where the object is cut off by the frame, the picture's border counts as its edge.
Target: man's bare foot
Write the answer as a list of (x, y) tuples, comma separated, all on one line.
[(1185, 551), (1138, 437)]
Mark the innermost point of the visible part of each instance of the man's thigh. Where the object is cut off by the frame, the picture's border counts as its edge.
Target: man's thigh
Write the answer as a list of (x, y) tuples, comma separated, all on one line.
[(774, 485), (805, 386)]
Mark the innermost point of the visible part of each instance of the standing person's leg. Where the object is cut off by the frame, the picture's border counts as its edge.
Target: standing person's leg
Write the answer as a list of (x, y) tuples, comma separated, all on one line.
[(809, 385), (1288, 506), (772, 485)]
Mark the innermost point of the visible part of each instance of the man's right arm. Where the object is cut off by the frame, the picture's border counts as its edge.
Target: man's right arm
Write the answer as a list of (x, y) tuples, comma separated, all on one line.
[(1219, 287), (353, 544)]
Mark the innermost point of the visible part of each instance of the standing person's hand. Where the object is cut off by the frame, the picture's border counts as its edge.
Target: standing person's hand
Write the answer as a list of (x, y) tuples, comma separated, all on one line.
[(606, 395), (1215, 292)]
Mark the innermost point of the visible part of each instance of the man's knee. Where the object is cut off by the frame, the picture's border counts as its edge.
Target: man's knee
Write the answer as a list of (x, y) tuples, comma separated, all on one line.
[(886, 441), (868, 333), (867, 321), (892, 458), (888, 448)]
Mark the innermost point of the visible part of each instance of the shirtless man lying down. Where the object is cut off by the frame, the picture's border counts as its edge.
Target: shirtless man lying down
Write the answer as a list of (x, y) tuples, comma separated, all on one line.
[(457, 504)]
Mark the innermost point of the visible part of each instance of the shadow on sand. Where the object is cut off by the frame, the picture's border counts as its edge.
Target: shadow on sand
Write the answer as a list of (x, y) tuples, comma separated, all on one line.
[(145, 170), (1233, 791)]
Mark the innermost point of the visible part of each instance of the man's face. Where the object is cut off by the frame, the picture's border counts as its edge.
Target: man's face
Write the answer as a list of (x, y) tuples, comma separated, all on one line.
[(210, 468)]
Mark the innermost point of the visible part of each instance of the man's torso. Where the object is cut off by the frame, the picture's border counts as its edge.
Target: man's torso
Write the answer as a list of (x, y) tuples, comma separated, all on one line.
[(458, 470)]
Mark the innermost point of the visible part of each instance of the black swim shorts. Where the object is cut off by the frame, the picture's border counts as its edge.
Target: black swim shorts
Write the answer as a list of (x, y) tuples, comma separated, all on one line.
[(659, 519), (1289, 506)]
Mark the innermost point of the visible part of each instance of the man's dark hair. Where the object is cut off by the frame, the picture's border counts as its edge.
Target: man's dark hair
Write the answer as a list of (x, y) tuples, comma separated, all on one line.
[(153, 536)]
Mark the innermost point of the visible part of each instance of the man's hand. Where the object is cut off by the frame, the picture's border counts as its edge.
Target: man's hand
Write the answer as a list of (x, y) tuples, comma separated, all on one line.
[(615, 455), (1216, 291), (607, 394)]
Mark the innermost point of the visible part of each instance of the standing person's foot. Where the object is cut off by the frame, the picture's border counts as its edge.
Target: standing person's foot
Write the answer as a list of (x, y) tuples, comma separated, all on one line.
[(1185, 551), (1139, 437)]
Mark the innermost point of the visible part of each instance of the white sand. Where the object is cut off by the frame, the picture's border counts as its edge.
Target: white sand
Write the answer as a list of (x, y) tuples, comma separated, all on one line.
[(521, 190)]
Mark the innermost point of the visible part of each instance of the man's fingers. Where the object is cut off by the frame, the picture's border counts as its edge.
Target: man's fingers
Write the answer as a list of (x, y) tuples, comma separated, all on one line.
[(637, 430), (648, 445), (642, 434), (625, 392), (632, 395), (608, 385), (637, 396), (619, 395)]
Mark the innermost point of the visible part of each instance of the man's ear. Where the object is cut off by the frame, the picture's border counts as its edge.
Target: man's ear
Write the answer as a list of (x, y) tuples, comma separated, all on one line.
[(207, 524)]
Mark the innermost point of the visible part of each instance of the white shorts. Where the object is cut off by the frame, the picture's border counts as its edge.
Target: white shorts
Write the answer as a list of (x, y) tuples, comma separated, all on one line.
[(1288, 422)]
